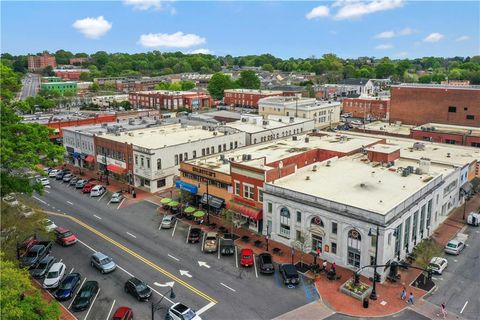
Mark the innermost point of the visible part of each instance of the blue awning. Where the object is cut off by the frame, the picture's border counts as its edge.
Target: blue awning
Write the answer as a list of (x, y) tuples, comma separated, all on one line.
[(186, 186)]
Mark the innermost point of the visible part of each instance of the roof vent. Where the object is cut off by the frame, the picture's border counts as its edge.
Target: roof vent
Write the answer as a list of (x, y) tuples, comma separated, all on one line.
[(307, 178), (328, 163), (363, 185), (448, 155), (314, 169)]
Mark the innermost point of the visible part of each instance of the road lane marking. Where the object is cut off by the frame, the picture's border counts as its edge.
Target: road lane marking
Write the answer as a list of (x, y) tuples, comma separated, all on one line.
[(236, 257), (69, 203), (166, 284), (174, 228), (131, 235), (136, 255), (466, 302), (185, 273), (173, 257), (71, 270), (219, 247), (103, 195), (46, 191), (121, 202), (255, 266), (39, 200), (99, 218), (223, 284), (188, 233), (111, 308), (203, 240), (205, 308), (78, 289), (203, 264), (91, 305)]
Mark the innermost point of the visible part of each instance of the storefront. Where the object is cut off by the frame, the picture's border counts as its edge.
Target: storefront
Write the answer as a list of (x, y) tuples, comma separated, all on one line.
[(179, 184), (88, 161), (248, 217), (118, 173), (215, 204)]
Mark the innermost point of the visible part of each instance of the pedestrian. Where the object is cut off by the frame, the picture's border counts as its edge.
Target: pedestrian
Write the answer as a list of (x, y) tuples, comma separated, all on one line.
[(403, 295), (324, 266), (334, 265), (134, 195), (443, 310), (410, 298)]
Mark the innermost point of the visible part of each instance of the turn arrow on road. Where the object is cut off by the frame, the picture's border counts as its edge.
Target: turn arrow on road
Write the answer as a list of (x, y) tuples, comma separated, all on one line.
[(185, 273), (203, 264)]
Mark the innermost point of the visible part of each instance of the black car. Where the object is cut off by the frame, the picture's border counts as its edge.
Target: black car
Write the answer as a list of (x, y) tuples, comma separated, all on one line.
[(138, 289), (227, 247), (265, 263), (194, 235), (67, 286), (289, 274), (85, 296), (43, 266)]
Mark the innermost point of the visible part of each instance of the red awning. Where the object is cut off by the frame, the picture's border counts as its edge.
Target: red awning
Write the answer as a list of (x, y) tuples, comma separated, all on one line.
[(255, 214), (89, 158), (116, 169)]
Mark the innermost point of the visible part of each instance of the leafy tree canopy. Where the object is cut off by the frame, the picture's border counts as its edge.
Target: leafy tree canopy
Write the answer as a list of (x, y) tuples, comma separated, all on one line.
[(248, 80)]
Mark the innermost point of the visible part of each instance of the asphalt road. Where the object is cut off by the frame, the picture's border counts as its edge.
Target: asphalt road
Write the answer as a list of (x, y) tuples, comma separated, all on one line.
[(30, 86), (407, 314), (217, 288), (459, 285)]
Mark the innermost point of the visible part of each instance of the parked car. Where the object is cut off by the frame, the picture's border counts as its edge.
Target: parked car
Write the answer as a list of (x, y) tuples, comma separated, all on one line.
[(265, 263), (73, 181), (117, 197), (67, 177), (123, 313), (194, 235), (473, 219), (67, 287), (54, 275), (168, 221), (227, 247), (85, 296), (59, 175), (80, 184), (454, 247), (44, 181), (356, 122), (26, 211), (97, 191), (42, 267), (289, 274), (102, 262), (437, 264), (246, 257), (36, 253), (87, 187), (138, 289), (53, 173), (180, 311), (65, 237), (10, 200), (211, 242), (49, 225)]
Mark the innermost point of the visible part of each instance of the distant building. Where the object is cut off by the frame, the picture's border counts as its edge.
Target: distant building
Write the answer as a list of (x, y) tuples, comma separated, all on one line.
[(247, 97), (50, 79), (77, 61), (106, 101), (170, 100), (70, 74), (352, 88), (38, 63), (450, 134), (368, 108), (127, 85), (61, 87), (456, 82)]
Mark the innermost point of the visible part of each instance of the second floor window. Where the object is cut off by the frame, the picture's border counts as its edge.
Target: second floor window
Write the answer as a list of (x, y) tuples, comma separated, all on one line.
[(159, 164)]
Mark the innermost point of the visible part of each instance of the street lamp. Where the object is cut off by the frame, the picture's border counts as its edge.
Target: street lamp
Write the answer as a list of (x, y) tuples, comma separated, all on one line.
[(105, 168), (267, 236), (208, 205), (156, 306), (373, 295)]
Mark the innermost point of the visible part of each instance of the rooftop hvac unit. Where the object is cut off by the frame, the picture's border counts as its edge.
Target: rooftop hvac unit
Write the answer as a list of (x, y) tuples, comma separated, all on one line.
[(307, 139), (244, 119), (232, 159), (215, 133), (222, 157), (294, 138), (249, 157), (418, 146), (292, 119), (244, 157), (104, 125), (265, 122)]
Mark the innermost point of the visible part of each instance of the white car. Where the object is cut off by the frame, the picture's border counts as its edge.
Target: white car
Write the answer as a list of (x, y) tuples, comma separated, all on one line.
[(54, 276), (53, 173), (438, 264), (97, 191), (50, 226), (180, 311), (44, 181), (117, 197), (454, 247), (10, 200)]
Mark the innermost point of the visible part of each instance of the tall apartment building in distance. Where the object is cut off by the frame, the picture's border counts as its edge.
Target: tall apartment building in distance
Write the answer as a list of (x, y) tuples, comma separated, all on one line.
[(37, 63)]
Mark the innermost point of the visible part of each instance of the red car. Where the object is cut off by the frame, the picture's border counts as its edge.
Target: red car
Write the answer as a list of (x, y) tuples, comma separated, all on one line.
[(123, 313), (65, 237), (246, 257), (88, 187)]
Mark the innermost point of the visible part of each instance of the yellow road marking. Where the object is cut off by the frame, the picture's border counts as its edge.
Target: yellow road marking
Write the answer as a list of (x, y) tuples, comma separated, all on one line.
[(136, 255)]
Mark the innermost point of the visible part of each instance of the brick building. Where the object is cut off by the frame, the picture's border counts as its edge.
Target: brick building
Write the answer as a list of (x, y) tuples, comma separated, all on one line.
[(170, 100), (450, 134), (418, 104), (69, 74), (132, 84), (247, 97), (78, 61), (367, 108), (116, 157), (38, 63)]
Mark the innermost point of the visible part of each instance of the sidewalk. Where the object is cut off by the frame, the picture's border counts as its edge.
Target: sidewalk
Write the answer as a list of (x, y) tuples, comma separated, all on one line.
[(64, 313), (431, 311)]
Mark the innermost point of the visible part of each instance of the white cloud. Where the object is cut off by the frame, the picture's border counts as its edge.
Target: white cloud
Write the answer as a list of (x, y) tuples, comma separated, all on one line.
[(405, 32), (93, 28), (174, 40), (402, 54), (391, 34), (143, 5), (433, 37), (201, 50), (317, 12), (384, 47), (463, 38), (385, 35), (357, 9)]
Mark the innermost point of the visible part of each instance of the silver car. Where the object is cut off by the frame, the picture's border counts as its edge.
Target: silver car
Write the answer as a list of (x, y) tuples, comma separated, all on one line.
[(116, 197), (168, 221), (102, 262), (454, 247)]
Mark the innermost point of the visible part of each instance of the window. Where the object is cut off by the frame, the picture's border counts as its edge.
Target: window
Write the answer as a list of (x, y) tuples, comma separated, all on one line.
[(334, 248), (422, 220), (185, 156), (298, 235), (353, 248), (203, 152), (406, 235), (194, 154), (470, 117), (269, 207), (219, 148), (452, 109), (334, 227), (237, 188), (285, 216), (159, 164), (180, 157), (450, 141), (414, 230), (148, 163), (299, 217), (260, 195), (429, 213), (141, 162), (231, 145), (476, 144), (176, 159), (213, 150), (372, 260), (285, 230), (373, 240), (248, 191), (136, 160), (147, 182), (161, 183), (236, 144)]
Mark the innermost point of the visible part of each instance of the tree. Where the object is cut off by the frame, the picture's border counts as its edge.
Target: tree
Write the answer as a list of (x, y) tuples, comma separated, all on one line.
[(19, 299), (85, 76), (23, 147), (248, 80), (267, 67), (218, 83), (384, 69), (48, 71), (9, 82), (425, 251), (302, 244), (188, 85)]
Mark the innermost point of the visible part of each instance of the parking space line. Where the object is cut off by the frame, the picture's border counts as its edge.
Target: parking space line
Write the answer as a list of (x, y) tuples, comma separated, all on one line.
[(160, 224), (255, 266), (111, 308), (236, 257), (188, 233), (79, 287), (39, 200), (203, 240), (219, 246), (223, 284), (103, 195), (121, 202), (131, 235), (174, 227), (70, 203), (71, 270), (173, 257), (205, 308), (131, 275), (91, 305), (466, 302), (161, 295), (46, 191), (99, 218)]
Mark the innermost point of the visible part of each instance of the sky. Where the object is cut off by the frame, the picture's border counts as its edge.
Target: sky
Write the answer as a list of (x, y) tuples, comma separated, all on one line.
[(348, 28)]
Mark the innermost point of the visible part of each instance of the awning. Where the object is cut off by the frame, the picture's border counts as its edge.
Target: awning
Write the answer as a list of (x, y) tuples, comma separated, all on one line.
[(165, 200), (186, 186), (255, 214), (116, 169), (189, 210), (213, 201), (89, 158), (199, 214), (76, 155)]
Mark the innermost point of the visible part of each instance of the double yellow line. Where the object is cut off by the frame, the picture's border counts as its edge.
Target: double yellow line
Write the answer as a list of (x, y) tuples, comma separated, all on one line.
[(136, 255)]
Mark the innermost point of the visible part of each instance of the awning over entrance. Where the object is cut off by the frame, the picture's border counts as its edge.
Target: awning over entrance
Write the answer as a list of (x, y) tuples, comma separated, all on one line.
[(255, 214), (116, 169), (213, 201), (89, 158), (186, 186)]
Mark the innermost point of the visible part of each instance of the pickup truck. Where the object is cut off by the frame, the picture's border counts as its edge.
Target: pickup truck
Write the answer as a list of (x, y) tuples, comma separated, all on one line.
[(36, 253)]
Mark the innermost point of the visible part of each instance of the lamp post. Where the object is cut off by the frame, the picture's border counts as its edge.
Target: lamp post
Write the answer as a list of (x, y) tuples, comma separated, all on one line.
[(208, 205), (105, 171), (293, 254), (156, 306), (267, 236), (373, 295)]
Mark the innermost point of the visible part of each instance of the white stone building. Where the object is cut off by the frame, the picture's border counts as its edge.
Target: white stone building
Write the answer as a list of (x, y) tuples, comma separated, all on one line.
[(106, 101)]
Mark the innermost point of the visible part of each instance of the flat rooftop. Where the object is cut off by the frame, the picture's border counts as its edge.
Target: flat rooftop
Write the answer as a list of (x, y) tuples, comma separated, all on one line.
[(255, 91), (45, 118), (122, 125), (436, 86), (392, 128), (271, 151), (447, 128), (255, 123), (354, 182)]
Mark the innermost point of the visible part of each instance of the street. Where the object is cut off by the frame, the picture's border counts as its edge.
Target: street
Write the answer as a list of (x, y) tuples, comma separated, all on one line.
[(30, 86), (209, 283)]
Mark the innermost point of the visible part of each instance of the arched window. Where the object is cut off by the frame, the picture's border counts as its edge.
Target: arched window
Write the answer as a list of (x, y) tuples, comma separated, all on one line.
[(354, 248), (316, 221), (285, 222)]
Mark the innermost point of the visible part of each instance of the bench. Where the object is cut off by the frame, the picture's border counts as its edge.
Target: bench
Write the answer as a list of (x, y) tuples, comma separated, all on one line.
[(246, 239)]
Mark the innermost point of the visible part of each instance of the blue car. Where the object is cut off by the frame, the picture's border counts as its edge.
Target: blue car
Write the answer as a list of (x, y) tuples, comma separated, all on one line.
[(67, 287)]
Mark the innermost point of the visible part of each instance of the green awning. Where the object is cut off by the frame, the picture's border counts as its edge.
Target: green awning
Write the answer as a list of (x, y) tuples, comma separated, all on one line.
[(173, 203), (199, 214), (189, 210), (165, 200)]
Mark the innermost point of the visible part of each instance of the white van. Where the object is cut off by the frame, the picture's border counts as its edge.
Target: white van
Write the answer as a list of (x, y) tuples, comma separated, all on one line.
[(473, 219), (97, 191)]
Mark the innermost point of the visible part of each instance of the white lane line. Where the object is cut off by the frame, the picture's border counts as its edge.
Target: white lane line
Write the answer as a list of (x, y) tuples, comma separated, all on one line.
[(79, 287), (46, 191), (236, 257), (131, 235), (152, 202), (466, 302), (111, 308), (86, 245), (173, 257), (103, 195), (205, 308), (131, 275), (255, 266), (99, 218), (69, 203), (161, 295), (39, 200), (188, 233), (91, 305), (60, 260), (174, 228), (121, 202), (71, 270), (203, 241), (219, 246), (160, 225), (223, 284)]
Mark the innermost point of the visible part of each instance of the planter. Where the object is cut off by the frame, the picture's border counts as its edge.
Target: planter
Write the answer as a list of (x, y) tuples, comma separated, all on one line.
[(359, 292)]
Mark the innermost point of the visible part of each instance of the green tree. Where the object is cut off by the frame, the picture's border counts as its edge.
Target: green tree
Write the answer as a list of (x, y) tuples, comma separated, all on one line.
[(48, 71), (267, 67), (384, 69), (218, 83), (94, 87), (248, 80), (188, 85), (85, 76), (23, 147), (425, 251), (9, 82), (175, 86)]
